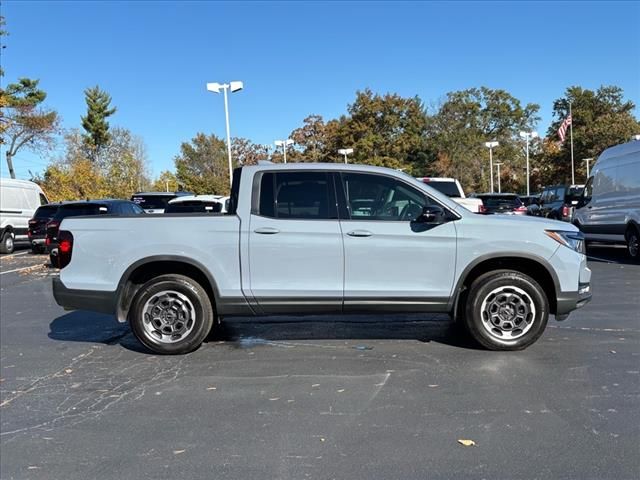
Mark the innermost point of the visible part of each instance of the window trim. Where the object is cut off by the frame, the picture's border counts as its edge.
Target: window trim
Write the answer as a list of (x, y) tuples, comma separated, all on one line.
[(345, 206), (255, 195)]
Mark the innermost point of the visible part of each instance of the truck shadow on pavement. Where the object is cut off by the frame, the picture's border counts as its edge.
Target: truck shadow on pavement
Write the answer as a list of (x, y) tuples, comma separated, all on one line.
[(246, 332)]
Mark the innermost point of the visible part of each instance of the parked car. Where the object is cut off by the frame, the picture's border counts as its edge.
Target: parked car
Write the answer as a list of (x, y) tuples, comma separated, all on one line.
[(532, 202), (502, 203), (155, 202), (198, 204), (19, 200), (292, 244), (452, 189), (37, 231), (558, 201), (84, 208), (609, 209)]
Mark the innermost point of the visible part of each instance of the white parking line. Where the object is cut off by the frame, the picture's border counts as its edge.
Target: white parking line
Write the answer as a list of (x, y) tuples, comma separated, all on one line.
[(20, 269), (14, 254)]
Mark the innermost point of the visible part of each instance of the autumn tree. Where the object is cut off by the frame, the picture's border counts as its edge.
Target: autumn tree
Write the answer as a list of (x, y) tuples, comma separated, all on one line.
[(601, 119), (465, 120), (202, 166), (245, 152), (25, 123), (311, 139), (95, 121)]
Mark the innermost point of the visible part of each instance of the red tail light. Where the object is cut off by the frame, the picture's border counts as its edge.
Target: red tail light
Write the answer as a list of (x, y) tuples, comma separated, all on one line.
[(521, 209), (565, 211), (482, 209), (47, 241), (65, 248)]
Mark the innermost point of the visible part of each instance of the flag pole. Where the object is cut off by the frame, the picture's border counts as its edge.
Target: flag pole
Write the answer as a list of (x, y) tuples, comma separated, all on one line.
[(573, 175)]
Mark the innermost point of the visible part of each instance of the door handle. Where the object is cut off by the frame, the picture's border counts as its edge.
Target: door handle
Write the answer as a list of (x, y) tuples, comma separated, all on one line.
[(267, 230), (360, 233)]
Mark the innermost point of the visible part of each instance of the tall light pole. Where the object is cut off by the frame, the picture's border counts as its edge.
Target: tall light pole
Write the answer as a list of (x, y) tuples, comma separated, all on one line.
[(491, 146), (235, 86), (284, 144), (528, 136), (345, 152), (498, 165), (587, 160)]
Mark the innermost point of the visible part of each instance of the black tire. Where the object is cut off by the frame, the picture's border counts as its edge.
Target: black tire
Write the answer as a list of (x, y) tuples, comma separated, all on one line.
[(516, 291), (7, 244), (53, 259), (632, 236), (37, 250), (197, 318)]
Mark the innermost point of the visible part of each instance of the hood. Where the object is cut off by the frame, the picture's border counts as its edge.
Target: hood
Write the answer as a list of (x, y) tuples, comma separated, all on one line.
[(524, 221)]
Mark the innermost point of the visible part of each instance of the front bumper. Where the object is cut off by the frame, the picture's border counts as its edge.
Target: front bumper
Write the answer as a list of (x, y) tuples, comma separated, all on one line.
[(92, 300), (567, 302)]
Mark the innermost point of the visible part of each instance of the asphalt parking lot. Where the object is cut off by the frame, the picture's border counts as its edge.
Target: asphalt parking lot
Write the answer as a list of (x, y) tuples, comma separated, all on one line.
[(342, 397)]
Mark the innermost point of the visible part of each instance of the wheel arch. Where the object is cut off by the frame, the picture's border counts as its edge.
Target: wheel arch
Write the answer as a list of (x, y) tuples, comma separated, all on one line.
[(535, 267), (147, 268)]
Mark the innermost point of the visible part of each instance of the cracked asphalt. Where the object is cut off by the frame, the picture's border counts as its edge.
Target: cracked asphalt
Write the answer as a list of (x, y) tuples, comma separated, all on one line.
[(354, 397)]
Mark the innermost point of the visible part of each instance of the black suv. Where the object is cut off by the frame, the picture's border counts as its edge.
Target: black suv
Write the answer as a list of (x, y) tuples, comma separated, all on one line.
[(89, 207), (558, 201), (37, 230)]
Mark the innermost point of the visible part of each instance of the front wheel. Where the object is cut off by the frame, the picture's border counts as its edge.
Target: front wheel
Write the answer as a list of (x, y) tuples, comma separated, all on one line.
[(506, 310), (171, 314), (633, 242)]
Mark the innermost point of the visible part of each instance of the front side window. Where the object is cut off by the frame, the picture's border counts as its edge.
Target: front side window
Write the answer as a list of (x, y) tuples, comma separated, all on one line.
[(376, 197), (295, 195)]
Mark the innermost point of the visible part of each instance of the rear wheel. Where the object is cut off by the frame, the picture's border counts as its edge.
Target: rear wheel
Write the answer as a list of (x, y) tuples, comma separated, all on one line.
[(506, 310), (7, 243), (633, 242), (171, 314)]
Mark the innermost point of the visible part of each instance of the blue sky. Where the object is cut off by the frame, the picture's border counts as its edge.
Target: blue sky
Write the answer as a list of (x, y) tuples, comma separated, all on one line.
[(296, 59)]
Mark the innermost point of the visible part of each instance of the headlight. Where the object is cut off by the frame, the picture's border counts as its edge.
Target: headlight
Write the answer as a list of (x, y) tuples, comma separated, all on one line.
[(572, 240)]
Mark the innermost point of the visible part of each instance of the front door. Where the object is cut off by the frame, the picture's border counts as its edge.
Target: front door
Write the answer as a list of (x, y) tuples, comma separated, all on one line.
[(295, 244), (391, 261)]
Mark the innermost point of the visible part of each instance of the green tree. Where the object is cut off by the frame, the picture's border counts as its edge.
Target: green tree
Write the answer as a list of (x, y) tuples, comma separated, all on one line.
[(245, 152), (25, 122), (386, 130), (95, 121), (166, 182), (202, 165), (601, 119), (460, 126)]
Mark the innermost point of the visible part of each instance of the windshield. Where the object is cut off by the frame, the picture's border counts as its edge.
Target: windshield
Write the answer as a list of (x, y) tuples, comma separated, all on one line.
[(449, 188), (195, 206), (47, 211), (65, 211), (152, 202)]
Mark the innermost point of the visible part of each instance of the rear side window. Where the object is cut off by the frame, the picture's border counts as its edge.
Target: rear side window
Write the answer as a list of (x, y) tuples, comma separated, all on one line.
[(80, 210), (47, 211), (152, 202), (296, 195), (43, 199)]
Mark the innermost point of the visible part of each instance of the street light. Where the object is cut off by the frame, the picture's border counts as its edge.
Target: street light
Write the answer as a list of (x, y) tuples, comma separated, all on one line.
[(587, 160), (491, 146), (498, 165), (284, 144), (235, 86), (345, 152), (528, 136)]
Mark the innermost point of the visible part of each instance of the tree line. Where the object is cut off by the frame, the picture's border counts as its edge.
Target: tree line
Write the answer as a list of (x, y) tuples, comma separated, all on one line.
[(443, 139)]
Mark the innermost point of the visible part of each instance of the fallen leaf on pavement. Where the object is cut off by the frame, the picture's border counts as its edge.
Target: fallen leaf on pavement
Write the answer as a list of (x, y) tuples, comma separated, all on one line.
[(466, 443), (178, 452)]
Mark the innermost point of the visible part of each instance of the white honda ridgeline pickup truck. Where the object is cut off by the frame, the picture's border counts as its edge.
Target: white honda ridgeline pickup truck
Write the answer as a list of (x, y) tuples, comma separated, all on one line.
[(323, 239)]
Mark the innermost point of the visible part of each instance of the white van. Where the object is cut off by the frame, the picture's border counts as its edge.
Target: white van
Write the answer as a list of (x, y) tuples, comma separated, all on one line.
[(19, 200), (609, 210)]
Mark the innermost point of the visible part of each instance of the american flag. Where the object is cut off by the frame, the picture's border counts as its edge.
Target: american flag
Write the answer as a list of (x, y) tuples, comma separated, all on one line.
[(562, 131)]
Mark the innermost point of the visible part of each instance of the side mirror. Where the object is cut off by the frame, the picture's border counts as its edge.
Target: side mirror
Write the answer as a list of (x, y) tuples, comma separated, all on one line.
[(431, 214)]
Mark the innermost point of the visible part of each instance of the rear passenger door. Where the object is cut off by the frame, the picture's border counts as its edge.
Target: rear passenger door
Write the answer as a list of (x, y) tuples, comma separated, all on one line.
[(392, 262), (295, 244)]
